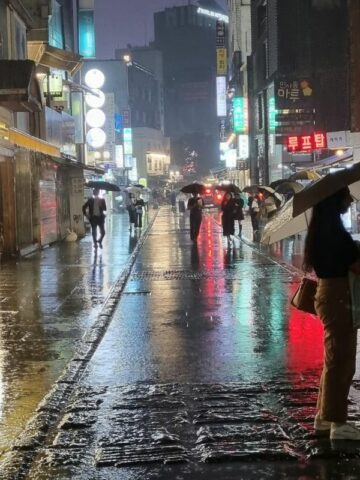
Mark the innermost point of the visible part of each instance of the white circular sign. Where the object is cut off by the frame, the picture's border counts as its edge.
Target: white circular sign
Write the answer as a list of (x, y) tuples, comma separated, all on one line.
[(95, 101), (94, 78), (95, 118), (96, 137)]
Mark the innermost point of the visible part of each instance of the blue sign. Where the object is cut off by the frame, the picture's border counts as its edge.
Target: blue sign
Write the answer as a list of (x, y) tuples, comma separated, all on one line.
[(118, 122), (86, 33)]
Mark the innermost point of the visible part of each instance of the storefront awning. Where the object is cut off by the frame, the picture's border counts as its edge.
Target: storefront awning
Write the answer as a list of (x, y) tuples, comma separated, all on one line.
[(44, 54), (19, 88)]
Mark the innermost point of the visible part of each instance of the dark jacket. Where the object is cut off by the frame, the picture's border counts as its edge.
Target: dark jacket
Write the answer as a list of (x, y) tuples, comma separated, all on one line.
[(90, 205)]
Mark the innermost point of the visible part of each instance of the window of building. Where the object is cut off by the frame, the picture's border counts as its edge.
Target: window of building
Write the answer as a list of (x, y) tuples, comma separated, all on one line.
[(17, 37), (261, 18), (56, 31)]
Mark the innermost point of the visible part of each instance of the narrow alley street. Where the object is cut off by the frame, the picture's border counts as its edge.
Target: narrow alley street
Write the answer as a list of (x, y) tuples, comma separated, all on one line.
[(204, 370)]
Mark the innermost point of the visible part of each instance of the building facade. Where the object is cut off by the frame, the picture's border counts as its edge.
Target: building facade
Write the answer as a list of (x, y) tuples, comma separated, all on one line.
[(298, 82), (186, 37), (42, 182)]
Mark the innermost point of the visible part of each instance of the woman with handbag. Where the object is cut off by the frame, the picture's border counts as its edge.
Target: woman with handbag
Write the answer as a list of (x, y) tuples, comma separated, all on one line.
[(332, 253)]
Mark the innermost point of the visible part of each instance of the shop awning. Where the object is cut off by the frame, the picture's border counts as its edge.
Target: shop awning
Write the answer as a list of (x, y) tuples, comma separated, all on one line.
[(44, 54), (19, 88)]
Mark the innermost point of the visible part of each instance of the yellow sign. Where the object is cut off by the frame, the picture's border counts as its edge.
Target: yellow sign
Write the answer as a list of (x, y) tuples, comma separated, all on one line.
[(221, 61)]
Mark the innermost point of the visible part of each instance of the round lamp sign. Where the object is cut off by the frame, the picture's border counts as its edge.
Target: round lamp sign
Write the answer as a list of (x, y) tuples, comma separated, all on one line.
[(95, 117), (94, 78), (96, 137)]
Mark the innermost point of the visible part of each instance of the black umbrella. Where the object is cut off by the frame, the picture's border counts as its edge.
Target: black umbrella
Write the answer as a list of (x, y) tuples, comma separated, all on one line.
[(137, 185), (195, 187), (228, 187), (101, 185)]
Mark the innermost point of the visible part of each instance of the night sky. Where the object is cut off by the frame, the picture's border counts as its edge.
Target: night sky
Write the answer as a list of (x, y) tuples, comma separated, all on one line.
[(119, 22)]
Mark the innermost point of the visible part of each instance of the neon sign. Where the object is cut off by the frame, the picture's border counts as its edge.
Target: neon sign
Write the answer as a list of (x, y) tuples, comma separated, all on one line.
[(306, 143), (211, 13)]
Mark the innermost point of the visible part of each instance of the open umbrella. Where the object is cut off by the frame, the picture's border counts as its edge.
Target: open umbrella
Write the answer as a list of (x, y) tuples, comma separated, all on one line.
[(289, 188), (305, 175), (195, 187), (251, 189), (276, 183), (101, 185), (279, 199), (228, 187), (137, 185), (295, 215)]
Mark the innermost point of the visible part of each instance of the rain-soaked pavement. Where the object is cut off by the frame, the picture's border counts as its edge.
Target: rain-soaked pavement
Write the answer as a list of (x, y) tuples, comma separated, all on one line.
[(204, 372), (47, 301)]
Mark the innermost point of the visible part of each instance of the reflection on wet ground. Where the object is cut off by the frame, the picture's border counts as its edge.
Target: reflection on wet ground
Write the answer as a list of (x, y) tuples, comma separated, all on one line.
[(204, 372), (47, 301)]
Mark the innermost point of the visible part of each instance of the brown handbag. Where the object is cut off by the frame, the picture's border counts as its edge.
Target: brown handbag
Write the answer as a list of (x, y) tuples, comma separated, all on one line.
[(305, 296)]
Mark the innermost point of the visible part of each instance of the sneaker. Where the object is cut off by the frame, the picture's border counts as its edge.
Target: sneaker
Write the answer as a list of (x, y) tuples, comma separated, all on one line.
[(321, 425), (100, 243), (344, 431)]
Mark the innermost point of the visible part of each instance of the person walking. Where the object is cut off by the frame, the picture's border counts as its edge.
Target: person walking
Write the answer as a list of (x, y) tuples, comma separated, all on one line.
[(130, 207), (228, 207), (181, 202), (139, 206), (239, 211), (254, 211), (195, 205), (173, 200), (332, 253), (94, 209)]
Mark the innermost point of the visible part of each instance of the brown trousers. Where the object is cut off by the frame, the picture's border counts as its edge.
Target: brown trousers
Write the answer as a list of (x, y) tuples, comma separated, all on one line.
[(333, 305)]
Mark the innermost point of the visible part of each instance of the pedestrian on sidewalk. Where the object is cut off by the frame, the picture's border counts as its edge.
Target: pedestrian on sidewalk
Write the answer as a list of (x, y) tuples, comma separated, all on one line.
[(139, 208), (173, 200), (331, 252), (130, 207), (239, 211), (195, 205), (254, 211), (181, 202), (228, 208), (96, 207)]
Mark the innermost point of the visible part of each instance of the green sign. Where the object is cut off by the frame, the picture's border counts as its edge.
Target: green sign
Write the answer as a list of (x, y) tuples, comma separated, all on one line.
[(240, 115)]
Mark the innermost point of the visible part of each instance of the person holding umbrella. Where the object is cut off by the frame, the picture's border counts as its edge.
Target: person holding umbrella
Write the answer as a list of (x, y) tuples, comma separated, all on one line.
[(332, 253), (228, 217), (239, 210), (96, 207), (195, 205)]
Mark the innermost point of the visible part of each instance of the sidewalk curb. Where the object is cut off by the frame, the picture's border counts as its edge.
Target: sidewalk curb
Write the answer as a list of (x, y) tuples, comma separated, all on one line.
[(17, 461)]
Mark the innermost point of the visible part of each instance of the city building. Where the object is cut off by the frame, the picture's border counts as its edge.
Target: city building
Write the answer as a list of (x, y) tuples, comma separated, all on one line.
[(299, 88), (186, 37), (132, 121), (41, 124)]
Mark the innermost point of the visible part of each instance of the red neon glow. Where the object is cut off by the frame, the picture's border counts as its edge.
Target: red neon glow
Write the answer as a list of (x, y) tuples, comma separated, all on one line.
[(306, 143)]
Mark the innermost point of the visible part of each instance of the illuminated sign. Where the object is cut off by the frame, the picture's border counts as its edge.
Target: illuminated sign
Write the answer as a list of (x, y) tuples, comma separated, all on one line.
[(211, 13), (119, 156), (243, 146), (128, 147), (272, 115), (86, 33), (221, 61), (221, 96), (240, 115), (230, 158), (306, 143), (94, 78)]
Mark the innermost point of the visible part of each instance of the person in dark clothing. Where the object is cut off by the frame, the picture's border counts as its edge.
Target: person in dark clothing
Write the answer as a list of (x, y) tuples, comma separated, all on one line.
[(332, 253), (239, 212), (228, 217), (96, 207), (139, 206), (195, 205)]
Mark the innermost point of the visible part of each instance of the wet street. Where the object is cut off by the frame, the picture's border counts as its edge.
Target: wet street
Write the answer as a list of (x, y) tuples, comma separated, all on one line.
[(195, 367)]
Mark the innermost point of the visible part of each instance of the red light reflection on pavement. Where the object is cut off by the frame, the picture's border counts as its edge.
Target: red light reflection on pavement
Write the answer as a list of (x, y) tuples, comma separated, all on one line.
[(305, 341)]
